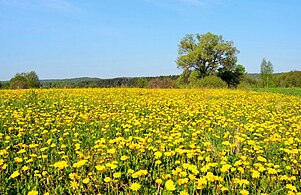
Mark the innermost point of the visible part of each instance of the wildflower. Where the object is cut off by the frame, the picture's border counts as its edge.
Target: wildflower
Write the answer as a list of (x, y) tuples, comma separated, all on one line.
[(169, 185), (291, 187), (159, 181), (80, 163), (34, 192), (135, 186), (225, 168), (60, 165), (158, 155), (184, 192), (117, 175), (261, 159), (255, 174), (123, 158), (15, 174), (85, 181), (107, 179), (74, 184), (100, 167), (18, 159), (244, 192)]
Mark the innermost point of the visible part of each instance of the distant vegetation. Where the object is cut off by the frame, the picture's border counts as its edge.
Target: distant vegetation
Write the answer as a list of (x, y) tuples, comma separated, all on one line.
[(279, 80)]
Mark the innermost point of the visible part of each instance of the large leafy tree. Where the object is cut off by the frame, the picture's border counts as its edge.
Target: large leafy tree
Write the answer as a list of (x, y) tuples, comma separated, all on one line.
[(266, 72), (206, 53)]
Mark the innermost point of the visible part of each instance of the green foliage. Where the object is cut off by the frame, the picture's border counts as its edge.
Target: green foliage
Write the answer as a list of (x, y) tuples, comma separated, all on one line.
[(209, 82), (162, 83), (25, 81), (266, 71), (205, 53), (141, 83), (183, 78), (290, 79), (194, 77), (232, 75), (33, 79), (19, 81)]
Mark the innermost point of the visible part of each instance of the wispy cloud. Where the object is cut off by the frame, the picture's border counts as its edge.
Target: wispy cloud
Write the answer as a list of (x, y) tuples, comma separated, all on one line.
[(54, 5)]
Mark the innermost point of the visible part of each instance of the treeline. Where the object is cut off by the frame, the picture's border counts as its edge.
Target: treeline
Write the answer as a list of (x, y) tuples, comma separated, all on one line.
[(277, 80), (27, 80), (140, 82), (31, 80)]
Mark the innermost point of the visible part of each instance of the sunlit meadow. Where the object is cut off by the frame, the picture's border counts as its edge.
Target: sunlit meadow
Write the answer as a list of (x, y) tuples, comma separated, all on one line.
[(143, 141)]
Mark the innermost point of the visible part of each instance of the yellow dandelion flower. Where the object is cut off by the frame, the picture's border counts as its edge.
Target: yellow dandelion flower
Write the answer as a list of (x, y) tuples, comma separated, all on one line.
[(159, 181), (107, 179), (85, 181), (169, 185), (60, 165), (184, 192), (74, 184), (123, 158), (34, 192), (18, 160), (80, 163), (244, 192), (117, 175), (291, 187), (15, 174), (135, 186)]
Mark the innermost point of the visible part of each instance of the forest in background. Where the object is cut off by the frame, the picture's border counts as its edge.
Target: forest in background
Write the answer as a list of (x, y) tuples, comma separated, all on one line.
[(282, 80)]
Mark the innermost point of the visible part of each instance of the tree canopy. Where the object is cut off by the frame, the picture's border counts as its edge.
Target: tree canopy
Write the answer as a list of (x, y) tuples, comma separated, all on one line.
[(232, 76), (206, 53), (25, 80)]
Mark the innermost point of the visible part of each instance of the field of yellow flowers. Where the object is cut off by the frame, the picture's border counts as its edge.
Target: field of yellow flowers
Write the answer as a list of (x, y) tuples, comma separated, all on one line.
[(149, 141)]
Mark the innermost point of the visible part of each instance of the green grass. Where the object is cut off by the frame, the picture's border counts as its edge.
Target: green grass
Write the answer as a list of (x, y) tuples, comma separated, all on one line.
[(286, 91)]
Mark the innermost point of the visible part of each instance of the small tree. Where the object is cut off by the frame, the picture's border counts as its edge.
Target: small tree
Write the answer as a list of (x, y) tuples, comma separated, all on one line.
[(232, 76), (32, 79), (19, 81), (24, 81), (266, 71)]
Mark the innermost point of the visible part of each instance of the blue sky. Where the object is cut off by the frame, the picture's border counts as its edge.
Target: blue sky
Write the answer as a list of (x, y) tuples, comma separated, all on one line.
[(116, 38)]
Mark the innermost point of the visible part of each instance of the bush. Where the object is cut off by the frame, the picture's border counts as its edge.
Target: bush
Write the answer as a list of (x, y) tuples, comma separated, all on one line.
[(209, 82), (162, 83)]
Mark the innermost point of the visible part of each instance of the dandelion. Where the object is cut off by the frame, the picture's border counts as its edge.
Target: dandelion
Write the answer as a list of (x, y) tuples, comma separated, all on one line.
[(169, 185), (135, 186), (60, 165), (159, 181), (107, 179), (123, 158), (74, 184), (15, 174), (34, 192), (244, 192), (117, 175), (85, 181), (184, 192), (80, 163)]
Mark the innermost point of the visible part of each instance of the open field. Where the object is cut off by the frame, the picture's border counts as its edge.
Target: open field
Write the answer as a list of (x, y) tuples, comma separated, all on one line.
[(142, 141), (287, 91)]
